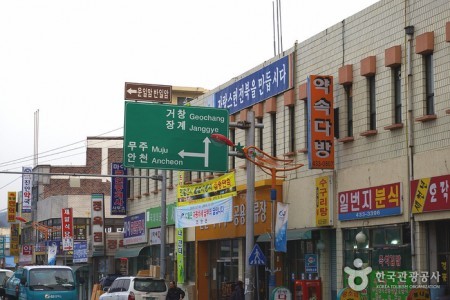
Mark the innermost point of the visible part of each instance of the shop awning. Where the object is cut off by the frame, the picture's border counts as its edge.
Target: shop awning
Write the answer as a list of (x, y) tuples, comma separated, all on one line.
[(129, 252), (292, 234)]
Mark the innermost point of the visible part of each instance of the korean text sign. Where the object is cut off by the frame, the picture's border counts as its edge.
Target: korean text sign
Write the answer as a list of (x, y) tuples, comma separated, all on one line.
[(134, 229), (321, 122), (27, 181), (430, 194), (67, 228), (97, 221), (324, 201), (371, 202), (267, 82), (11, 207), (169, 137), (118, 190)]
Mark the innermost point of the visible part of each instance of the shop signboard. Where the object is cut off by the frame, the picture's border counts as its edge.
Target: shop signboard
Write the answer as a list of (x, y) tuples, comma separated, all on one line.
[(311, 263), (134, 229), (324, 201), (27, 180), (320, 122), (118, 190), (2, 246), (371, 202), (148, 92), (11, 207), (97, 224), (153, 216), (430, 194)]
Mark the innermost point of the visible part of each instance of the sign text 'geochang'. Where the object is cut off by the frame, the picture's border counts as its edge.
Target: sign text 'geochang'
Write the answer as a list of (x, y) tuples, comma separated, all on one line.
[(170, 137)]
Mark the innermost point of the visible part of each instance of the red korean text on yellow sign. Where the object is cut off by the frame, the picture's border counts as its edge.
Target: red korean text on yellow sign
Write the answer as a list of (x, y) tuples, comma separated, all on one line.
[(11, 207), (321, 126)]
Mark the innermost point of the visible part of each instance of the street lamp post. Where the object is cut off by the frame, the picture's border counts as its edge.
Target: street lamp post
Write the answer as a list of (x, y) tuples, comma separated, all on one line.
[(270, 165)]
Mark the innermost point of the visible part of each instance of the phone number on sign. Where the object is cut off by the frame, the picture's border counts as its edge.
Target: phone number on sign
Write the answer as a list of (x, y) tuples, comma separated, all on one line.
[(370, 213)]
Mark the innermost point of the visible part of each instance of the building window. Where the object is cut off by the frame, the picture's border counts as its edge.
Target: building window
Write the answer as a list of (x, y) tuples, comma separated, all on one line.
[(139, 182), (147, 182), (306, 122), (372, 103), (184, 100), (259, 132), (349, 102), (273, 121), (130, 184), (292, 128), (397, 84), (429, 84)]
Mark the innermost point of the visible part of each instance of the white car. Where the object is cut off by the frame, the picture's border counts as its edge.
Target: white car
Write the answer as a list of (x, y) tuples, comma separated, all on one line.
[(136, 288)]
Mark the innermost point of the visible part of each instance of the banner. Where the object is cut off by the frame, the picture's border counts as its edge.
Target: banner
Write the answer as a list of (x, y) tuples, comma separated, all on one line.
[(281, 227), (180, 238), (52, 250), (206, 213), (208, 190), (27, 182), (180, 255)]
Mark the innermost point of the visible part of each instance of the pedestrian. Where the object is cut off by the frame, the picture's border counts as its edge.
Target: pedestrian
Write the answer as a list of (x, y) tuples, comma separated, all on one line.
[(238, 293), (174, 292)]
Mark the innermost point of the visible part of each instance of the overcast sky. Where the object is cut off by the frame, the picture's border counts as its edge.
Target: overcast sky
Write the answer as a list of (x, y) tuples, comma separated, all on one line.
[(70, 59)]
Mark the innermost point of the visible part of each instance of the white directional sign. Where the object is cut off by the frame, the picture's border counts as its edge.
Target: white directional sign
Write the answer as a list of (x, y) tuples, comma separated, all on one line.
[(171, 137)]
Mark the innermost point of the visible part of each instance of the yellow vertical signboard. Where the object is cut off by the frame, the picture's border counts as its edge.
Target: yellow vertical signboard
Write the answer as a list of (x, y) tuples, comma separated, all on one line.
[(324, 201), (14, 242), (12, 207)]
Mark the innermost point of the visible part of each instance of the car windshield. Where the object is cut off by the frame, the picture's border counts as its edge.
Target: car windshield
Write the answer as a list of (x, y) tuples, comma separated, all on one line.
[(149, 285), (51, 279)]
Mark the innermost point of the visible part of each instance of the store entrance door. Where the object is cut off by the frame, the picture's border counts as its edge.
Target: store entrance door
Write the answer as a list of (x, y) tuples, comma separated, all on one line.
[(227, 275)]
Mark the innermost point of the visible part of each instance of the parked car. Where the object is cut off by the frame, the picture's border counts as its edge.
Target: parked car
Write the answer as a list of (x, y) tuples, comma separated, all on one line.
[(106, 281), (136, 288), (5, 274), (12, 285)]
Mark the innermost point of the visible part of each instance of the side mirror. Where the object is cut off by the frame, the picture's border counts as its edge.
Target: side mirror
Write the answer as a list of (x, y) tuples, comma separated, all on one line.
[(23, 280), (81, 280)]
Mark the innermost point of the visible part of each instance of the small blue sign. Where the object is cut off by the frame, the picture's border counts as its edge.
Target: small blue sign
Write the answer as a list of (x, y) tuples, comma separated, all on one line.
[(257, 257), (311, 263)]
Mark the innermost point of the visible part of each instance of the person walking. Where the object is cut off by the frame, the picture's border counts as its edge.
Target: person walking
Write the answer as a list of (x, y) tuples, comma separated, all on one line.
[(238, 293), (174, 292)]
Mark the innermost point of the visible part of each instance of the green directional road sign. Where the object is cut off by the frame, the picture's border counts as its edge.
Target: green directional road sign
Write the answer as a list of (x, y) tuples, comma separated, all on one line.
[(170, 137)]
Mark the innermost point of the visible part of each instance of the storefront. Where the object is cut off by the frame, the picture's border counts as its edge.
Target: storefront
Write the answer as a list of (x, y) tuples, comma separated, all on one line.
[(221, 249)]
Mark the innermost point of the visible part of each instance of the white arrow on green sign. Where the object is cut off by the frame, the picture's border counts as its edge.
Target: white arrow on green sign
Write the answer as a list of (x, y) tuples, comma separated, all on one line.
[(170, 137)]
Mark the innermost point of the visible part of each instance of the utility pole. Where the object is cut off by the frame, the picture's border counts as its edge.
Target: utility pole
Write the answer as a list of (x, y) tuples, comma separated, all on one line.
[(250, 204)]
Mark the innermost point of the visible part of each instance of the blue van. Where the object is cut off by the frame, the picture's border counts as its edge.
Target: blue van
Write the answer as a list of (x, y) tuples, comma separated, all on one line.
[(48, 282)]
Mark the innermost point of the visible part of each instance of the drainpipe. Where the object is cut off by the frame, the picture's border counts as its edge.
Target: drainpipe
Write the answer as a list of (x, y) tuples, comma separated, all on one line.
[(409, 30)]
